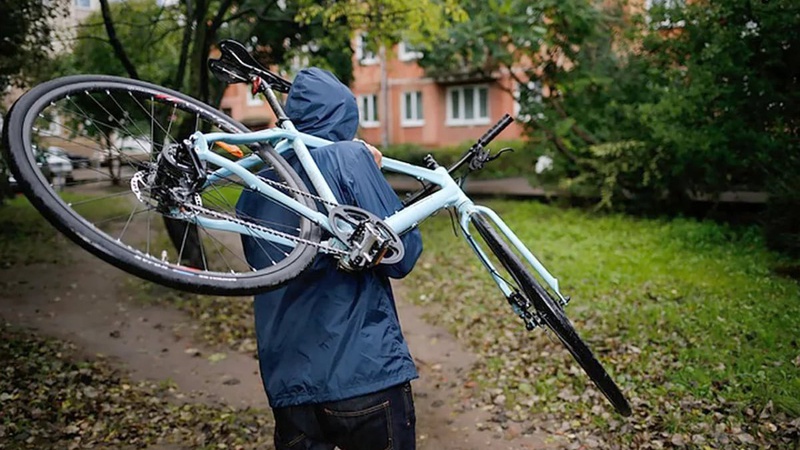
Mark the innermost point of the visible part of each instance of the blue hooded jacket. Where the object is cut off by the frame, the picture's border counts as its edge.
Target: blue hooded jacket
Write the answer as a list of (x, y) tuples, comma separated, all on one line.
[(330, 335)]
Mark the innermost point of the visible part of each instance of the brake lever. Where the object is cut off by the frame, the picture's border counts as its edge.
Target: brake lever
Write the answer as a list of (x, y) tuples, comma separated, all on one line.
[(497, 155)]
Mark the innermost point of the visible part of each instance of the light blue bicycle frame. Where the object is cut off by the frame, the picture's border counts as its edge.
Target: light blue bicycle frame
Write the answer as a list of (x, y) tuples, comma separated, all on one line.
[(450, 194)]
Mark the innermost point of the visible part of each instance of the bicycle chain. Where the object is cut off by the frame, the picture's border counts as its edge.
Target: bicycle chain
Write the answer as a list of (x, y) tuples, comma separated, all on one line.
[(250, 225), (298, 191), (138, 177)]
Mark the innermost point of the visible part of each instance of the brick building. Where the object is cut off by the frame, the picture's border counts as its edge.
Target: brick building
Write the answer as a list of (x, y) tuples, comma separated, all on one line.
[(410, 107)]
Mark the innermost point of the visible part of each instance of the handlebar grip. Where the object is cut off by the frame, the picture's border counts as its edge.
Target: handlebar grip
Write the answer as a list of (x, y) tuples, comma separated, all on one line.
[(495, 130)]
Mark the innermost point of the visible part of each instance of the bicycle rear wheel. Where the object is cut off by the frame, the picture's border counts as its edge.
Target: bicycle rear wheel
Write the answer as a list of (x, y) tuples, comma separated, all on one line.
[(78, 147), (551, 313)]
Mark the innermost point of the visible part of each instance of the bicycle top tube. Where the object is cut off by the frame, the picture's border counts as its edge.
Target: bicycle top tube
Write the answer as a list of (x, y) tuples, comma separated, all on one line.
[(271, 135), (300, 143)]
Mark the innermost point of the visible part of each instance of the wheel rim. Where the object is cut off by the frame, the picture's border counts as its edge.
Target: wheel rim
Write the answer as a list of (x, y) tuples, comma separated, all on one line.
[(116, 130)]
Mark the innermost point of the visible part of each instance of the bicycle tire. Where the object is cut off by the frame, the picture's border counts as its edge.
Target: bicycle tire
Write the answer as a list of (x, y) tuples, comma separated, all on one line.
[(552, 314), (21, 131)]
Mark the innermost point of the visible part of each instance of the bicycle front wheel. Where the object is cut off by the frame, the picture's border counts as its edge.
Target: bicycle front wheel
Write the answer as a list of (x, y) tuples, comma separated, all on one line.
[(551, 313), (79, 147)]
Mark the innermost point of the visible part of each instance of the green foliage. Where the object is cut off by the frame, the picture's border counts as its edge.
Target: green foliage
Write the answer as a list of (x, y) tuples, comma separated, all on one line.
[(519, 163), (619, 165), (149, 32), (386, 22), (502, 33), (642, 110), (27, 238), (709, 104), (169, 44), (27, 36), (782, 215)]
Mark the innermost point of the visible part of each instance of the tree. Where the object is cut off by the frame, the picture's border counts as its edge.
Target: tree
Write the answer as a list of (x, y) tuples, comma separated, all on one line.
[(27, 30), (536, 42), (693, 99), (26, 37), (710, 104), (386, 22)]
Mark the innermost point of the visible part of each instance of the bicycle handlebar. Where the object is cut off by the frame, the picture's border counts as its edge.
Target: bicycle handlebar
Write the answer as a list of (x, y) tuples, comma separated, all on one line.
[(476, 151), (495, 130)]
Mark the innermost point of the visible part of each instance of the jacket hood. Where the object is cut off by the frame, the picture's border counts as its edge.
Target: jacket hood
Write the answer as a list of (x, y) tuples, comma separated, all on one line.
[(320, 105)]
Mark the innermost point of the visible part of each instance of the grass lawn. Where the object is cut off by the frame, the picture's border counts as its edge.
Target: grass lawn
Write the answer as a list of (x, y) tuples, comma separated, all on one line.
[(687, 316), (27, 238)]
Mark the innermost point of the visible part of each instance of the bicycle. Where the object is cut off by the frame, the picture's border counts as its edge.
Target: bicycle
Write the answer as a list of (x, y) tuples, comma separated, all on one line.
[(200, 160)]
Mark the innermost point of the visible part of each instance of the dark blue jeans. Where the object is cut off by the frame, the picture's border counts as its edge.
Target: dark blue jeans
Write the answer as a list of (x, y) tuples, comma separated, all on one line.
[(384, 420)]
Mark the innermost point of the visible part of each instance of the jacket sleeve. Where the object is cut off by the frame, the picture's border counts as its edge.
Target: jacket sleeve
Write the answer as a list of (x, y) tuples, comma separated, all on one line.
[(373, 193)]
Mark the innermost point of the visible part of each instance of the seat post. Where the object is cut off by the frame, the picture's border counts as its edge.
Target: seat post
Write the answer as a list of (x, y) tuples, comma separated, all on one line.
[(274, 103)]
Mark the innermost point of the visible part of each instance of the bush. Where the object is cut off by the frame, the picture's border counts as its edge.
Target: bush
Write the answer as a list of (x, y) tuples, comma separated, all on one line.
[(519, 163), (782, 215)]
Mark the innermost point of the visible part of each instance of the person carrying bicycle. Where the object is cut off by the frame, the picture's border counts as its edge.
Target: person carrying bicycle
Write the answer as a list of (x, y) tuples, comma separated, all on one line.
[(333, 360)]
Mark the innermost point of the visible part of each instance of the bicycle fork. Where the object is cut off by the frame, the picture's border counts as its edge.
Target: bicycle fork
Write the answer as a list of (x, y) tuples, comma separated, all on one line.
[(521, 305)]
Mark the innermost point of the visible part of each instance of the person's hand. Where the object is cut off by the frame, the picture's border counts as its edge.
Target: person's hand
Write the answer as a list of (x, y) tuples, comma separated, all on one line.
[(376, 154)]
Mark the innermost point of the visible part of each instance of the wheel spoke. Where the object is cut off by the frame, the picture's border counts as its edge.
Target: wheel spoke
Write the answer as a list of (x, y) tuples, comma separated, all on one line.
[(122, 212)]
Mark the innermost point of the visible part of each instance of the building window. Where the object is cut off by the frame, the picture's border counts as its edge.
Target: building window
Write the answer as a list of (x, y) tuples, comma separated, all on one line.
[(363, 55), (253, 100), (406, 52), (468, 105), (83, 4), (412, 109), (368, 110)]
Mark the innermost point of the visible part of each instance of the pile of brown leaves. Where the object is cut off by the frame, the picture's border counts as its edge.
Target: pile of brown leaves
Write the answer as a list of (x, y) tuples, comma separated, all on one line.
[(48, 400)]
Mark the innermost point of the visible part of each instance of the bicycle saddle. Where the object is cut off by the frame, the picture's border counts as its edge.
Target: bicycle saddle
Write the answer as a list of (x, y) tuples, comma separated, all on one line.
[(237, 65)]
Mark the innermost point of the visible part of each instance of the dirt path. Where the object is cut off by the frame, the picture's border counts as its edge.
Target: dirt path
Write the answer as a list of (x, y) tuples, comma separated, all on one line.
[(81, 302)]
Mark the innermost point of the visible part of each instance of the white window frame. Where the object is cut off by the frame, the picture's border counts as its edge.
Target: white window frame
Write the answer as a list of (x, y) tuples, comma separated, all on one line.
[(369, 118), (364, 56), (405, 55), (417, 105), (80, 4), (461, 120), (253, 100)]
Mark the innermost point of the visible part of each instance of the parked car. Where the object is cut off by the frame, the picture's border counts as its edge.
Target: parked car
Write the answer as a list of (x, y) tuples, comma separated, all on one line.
[(78, 161), (59, 163), (129, 149)]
